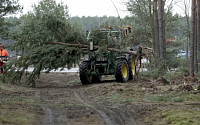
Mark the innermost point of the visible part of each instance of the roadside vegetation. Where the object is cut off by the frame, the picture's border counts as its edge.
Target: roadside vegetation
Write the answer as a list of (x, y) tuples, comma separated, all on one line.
[(18, 105)]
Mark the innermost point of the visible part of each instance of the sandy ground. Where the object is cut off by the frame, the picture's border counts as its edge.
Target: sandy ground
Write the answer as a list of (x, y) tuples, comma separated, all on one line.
[(60, 99), (77, 104)]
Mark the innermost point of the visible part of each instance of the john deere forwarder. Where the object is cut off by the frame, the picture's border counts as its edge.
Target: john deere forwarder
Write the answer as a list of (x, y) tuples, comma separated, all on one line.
[(103, 62)]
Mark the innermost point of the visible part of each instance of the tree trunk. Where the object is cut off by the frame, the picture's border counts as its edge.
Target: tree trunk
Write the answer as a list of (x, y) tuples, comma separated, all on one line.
[(188, 38), (161, 29), (192, 39), (195, 42), (198, 28), (136, 53), (156, 31), (164, 47), (151, 14), (188, 26)]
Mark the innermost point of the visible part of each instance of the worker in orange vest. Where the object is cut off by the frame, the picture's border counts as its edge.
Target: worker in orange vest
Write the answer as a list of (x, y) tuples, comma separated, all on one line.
[(3, 56)]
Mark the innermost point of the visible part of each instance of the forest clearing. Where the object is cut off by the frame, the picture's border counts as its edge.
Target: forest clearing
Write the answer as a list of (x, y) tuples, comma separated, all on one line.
[(60, 99), (141, 69)]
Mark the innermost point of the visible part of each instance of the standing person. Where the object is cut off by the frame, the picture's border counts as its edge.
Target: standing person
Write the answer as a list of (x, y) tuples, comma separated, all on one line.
[(3, 56)]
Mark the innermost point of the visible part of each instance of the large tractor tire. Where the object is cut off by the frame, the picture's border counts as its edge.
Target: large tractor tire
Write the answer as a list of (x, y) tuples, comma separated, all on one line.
[(131, 67), (83, 72), (121, 70)]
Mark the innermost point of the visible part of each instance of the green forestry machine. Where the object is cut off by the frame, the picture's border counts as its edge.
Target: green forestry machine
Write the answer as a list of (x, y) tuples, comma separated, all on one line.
[(106, 62)]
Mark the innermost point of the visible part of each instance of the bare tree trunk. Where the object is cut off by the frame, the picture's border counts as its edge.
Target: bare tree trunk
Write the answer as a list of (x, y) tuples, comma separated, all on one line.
[(192, 39), (161, 29), (195, 50), (198, 28), (156, 31), (164, 47), (195, 42), (186, 8), (151, 15), (188, 38)]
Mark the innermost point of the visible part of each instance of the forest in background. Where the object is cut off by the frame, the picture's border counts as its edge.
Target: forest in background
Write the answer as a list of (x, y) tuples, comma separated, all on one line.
[(88, 23)]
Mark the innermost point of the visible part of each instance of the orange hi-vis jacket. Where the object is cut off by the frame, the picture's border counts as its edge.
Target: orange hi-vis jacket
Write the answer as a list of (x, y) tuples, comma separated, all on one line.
[(3, 52)]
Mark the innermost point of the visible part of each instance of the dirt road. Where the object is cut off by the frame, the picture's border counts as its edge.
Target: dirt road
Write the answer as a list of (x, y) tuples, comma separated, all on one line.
[(60, 99), (71, 104)]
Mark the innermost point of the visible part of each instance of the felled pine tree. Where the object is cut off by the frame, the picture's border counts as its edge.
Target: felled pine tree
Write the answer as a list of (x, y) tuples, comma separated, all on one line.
[(47, 23)]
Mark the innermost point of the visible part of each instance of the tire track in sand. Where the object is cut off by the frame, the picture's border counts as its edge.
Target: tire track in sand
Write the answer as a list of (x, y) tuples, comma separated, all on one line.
[(111, 116), (52, 115), (48, 114)]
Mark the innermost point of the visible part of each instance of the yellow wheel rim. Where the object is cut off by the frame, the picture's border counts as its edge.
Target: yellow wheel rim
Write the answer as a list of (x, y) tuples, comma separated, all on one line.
[(133, 66), (124, 70)]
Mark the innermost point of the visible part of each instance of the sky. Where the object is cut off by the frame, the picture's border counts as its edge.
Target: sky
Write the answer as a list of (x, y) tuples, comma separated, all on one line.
[(86, 7), (95, 7)]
